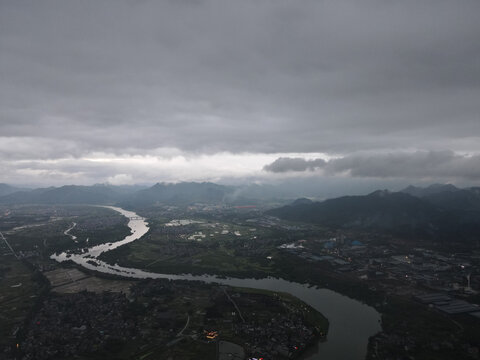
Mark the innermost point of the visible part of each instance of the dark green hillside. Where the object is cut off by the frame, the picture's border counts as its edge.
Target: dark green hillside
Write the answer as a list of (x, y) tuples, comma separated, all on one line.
[(448, 217), (380, 209)]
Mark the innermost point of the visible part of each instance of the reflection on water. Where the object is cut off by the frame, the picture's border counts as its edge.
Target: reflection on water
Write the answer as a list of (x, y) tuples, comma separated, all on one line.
[(351, 322)]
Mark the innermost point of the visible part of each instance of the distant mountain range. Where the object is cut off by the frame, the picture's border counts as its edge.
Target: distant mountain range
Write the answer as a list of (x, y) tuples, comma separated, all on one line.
[(381, 209), (435, 211), (448, 196), (429, 190), (137, 196), (69, 194), (134, 196), (438, 211), (8, 189), (180, 193)]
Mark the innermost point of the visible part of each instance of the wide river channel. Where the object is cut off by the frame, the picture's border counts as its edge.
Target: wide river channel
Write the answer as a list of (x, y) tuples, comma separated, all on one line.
[(351, 322)]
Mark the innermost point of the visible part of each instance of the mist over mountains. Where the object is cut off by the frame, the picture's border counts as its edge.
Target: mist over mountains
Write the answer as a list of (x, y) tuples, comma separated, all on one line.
[(448, 196), (445, 196), (6, 189), (134, 196), (437, 211), (166, 193)]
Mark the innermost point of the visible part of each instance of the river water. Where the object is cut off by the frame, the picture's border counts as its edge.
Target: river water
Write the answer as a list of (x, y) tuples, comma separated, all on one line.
[(351, 322)]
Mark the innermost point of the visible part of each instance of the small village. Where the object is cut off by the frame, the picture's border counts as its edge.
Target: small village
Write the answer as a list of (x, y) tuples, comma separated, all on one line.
[(418, 272), (155, 316)]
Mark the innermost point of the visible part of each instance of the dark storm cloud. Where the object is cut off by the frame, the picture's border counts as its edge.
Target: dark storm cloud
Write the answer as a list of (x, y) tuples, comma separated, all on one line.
[(420, 164), (129, 77), (285, 164)]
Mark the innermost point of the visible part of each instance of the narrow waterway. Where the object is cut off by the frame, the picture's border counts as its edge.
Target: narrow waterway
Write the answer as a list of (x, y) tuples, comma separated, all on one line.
[(351, 322), (67, 232)]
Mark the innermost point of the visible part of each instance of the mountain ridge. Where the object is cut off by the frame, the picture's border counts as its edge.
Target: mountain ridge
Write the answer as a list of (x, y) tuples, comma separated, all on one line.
[(396, 212)]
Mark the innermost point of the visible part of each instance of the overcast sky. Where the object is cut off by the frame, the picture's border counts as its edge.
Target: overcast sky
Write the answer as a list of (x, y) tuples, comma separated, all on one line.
[(144, 91)]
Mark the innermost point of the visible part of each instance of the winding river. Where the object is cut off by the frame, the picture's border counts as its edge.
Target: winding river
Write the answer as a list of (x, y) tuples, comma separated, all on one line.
[(351, 322)]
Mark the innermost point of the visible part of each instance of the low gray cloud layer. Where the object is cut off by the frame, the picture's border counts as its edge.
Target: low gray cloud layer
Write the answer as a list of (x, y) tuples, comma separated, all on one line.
[(201, 77), (416, 165), (285, 164)]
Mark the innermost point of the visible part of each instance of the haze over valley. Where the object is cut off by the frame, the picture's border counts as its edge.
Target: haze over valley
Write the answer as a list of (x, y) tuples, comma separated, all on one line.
[(239, 180)]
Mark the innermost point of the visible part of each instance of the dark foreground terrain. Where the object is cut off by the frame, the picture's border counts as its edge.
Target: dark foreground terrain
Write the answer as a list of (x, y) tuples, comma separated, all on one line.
[(427, 293)]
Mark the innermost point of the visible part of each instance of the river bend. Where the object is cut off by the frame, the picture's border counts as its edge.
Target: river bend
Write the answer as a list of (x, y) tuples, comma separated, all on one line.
[(351, 322)]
